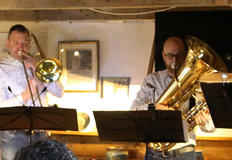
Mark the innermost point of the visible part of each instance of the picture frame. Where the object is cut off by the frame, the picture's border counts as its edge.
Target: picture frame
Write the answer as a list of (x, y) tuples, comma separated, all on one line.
[(80, 60), (115, 86)]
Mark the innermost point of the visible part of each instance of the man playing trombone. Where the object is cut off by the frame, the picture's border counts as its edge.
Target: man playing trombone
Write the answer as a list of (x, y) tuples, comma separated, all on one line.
[(19, 86)]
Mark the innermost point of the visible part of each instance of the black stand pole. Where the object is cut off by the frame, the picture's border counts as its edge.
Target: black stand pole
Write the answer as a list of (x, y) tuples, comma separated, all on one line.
[(147, 151), (28, 113), (151, 109)]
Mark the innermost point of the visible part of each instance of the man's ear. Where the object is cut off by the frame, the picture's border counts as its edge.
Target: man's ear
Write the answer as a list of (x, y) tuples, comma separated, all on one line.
[(7, 43)]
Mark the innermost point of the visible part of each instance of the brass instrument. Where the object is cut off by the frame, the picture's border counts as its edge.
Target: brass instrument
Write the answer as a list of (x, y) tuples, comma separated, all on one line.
[(48, 70), (200, 61)]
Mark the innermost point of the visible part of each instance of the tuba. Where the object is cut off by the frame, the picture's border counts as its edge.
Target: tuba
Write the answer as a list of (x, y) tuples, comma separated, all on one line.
[(201, 60)]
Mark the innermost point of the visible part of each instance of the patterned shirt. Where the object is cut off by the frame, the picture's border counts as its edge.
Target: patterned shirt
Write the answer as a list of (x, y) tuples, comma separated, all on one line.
[(13, 78), (151, 89)]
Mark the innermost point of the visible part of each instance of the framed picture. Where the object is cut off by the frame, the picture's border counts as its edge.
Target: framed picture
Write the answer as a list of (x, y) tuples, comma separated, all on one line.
[(80, 63), (115, 86)]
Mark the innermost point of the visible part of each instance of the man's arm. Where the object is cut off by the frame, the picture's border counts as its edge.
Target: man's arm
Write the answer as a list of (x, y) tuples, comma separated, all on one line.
[(8, 98), (55, 88), (5, 101), (144, 96)]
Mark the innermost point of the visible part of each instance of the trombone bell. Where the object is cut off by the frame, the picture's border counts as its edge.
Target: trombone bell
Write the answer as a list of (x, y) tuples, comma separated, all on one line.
[(48, 70)]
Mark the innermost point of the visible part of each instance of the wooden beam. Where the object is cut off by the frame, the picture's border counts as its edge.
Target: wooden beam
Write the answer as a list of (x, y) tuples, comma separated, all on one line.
[(85, 4), (69, 10), (89, 15), (69, 15)]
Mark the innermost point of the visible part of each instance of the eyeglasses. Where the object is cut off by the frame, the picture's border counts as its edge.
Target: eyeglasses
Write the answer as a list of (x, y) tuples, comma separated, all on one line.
[(172, 56)]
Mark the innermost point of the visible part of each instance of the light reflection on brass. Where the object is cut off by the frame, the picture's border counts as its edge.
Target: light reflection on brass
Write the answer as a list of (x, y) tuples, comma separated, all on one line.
[(82, 120)]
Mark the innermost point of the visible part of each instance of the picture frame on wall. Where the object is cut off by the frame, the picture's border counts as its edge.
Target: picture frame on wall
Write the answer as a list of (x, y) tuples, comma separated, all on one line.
[(115, 87), (80, 60)]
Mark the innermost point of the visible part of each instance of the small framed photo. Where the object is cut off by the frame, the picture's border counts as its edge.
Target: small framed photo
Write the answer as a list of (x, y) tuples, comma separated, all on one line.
[(80, 63), (115, 86)]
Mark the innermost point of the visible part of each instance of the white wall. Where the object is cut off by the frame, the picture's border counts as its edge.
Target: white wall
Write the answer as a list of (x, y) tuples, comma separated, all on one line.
[(124, 46), (125, 49)]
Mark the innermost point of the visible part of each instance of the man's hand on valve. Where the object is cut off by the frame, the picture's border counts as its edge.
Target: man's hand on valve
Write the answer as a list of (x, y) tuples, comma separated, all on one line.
[(162, 107), (201, 117)]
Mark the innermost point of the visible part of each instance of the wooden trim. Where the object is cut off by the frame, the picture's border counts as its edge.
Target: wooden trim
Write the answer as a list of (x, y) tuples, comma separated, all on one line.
[(215, 138), (77, 133), (152, 58)]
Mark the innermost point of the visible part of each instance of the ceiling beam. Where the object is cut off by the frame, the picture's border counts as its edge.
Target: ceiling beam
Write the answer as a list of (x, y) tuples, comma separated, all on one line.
[(71, 15), (68, 10), (101, 4), (90, 15)]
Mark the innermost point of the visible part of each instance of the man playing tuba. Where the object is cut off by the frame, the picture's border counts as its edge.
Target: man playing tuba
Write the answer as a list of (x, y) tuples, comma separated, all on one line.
[(174, 54)]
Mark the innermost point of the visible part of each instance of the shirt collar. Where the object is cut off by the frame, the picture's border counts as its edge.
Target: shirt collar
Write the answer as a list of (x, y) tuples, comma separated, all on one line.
[(6, 58), (167, 75)]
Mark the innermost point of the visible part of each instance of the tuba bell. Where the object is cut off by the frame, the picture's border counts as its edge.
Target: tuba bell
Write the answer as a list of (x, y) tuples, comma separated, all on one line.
[(201, 60)]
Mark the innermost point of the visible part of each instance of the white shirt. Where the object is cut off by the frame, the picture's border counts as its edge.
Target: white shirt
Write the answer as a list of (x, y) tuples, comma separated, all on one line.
[(12, 75)]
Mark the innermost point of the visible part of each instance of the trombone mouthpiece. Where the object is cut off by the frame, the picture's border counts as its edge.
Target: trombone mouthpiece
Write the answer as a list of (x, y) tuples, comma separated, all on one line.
[(20, 53)]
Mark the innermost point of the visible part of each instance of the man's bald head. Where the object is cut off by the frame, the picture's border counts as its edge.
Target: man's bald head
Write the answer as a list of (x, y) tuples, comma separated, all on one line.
[(174, 52)]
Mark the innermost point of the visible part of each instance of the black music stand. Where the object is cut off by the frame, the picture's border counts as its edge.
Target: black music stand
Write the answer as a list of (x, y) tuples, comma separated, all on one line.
[(140, 126), (218, 97), (37, 118)]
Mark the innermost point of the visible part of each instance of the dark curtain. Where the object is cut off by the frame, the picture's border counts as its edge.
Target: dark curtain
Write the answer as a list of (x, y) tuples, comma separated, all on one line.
[(212, 27)]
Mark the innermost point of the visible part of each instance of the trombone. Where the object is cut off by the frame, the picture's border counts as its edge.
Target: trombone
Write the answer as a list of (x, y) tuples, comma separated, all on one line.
[(46, 70)]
